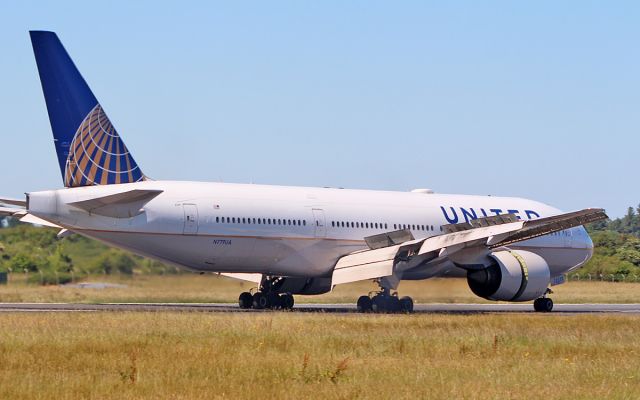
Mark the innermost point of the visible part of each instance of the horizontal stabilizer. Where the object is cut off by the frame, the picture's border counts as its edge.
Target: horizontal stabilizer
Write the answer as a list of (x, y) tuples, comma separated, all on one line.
[(120, 205), (12, 212), (32, 219), (13, 202)]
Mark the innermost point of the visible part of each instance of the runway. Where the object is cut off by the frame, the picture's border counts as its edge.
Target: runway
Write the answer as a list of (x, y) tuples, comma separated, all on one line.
[(432, 308)]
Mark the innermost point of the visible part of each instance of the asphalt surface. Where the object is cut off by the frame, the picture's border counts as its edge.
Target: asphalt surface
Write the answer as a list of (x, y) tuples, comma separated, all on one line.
[(323, 308)]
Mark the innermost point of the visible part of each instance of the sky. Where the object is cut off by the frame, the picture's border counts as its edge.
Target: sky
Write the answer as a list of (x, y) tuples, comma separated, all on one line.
[(529, 99)]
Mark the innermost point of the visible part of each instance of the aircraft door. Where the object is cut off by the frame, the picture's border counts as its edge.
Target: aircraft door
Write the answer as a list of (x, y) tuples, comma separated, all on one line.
[(190, 219), (319, 223)]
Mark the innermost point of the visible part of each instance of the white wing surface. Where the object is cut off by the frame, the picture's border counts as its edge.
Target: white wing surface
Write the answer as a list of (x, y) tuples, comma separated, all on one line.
[(482, 234)]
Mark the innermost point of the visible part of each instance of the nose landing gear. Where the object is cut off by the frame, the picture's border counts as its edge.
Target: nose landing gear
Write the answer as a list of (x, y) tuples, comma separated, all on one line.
[(543, 304)]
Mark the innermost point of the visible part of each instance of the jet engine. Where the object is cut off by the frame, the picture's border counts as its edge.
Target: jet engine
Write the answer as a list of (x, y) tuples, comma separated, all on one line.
[(512, 276)]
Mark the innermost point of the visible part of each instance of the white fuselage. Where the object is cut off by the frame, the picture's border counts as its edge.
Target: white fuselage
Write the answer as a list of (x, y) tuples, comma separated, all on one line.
[(288, 231)]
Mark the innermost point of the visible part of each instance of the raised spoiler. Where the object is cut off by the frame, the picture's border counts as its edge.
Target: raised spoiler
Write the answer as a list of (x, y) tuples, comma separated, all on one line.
[(483, 233)]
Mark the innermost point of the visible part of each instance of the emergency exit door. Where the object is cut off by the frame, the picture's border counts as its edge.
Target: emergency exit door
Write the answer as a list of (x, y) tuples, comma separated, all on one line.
[(319, 223), (190, 219)]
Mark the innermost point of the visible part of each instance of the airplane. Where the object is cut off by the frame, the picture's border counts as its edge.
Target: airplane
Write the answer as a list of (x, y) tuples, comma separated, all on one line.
[(291, 240)]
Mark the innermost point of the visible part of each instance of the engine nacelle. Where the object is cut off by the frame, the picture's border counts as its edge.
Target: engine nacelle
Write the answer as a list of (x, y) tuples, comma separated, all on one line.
[(513, 276)]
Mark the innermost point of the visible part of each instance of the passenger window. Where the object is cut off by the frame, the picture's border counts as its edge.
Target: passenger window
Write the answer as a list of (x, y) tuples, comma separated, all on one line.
[(304, 222), (217, 219)]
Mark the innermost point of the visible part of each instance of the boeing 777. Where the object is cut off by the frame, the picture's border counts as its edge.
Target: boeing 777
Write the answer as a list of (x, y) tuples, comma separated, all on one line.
[(291, 240)]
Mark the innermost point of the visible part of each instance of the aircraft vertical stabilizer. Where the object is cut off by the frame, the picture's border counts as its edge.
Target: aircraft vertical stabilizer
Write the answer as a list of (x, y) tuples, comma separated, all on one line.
[(90, 151)]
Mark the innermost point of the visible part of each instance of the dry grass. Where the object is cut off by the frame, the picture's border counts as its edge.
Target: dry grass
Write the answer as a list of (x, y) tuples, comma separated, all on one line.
[(211, 288), (296, 356)]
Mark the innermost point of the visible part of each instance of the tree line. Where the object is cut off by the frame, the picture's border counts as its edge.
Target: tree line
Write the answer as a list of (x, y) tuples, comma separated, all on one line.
[(617, 246), (43, 258)]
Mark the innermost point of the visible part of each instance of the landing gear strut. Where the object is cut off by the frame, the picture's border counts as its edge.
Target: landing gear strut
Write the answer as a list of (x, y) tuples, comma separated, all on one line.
[(266, 297), (543, 304), (384, 302)]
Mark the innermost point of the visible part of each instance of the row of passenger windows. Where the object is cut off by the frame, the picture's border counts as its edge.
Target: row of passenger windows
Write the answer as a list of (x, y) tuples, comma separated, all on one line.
[(261, 221), (376, 225), (335, 224)]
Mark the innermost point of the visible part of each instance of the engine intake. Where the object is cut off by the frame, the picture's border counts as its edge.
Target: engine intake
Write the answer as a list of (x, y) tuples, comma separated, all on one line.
[(513, 276)]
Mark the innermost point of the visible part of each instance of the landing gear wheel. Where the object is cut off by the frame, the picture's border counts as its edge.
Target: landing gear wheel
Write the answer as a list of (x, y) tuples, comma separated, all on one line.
[(393, 304), (378, 304), (245, 300), (260, 301), (406, 304), (364, 304), (543, 304), (286, 301), (273, 301)]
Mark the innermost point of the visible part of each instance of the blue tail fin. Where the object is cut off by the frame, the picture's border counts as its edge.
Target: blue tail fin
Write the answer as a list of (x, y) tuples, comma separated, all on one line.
[(90, 151)]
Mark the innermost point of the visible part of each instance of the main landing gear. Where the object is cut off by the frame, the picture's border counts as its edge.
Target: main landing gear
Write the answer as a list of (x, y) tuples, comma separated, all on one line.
[(385, 302), (266, 297), (543, 304)]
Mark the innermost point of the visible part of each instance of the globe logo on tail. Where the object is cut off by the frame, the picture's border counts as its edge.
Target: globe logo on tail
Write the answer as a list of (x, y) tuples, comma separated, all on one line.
[(97, 155)]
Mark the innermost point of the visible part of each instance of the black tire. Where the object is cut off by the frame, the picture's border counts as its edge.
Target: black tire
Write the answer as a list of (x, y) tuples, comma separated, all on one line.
[(273, 301), (245, 300), (286, 301), (378, 304), (393, 304), (543, 304), (364, 304), (547, 305), (259, 301), (536, 305), (406, 304)]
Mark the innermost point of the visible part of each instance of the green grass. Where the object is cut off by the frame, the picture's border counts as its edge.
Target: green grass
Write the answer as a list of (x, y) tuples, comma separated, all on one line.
[(296, 356), (211, 288)]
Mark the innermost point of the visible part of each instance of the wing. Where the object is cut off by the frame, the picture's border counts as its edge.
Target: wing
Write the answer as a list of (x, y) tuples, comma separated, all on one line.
[(13, 202), (484, 233)]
